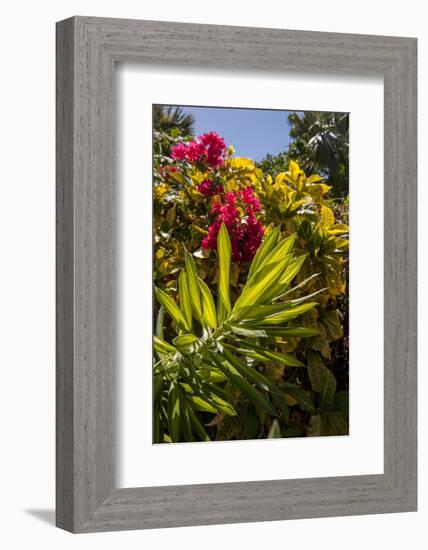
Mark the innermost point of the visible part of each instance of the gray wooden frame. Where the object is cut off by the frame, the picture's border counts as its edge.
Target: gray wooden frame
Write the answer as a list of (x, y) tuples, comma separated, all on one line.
[(87, 50)]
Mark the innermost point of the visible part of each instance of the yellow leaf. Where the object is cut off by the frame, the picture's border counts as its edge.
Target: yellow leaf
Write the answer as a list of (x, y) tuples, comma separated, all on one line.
[(327, 216), (313, 179), (318, 189), (241, 163), (160, 253), (232, 185), (294, 170), (338, 228)]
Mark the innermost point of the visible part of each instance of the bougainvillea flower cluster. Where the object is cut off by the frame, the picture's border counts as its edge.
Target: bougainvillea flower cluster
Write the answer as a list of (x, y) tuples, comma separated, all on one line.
[(208, 148), (237, 210), (209, 188)]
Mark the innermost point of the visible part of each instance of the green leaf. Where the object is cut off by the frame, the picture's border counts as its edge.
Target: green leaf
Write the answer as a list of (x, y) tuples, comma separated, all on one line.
[(299, 332), (322, 379), (284, 359), (184, 297), (161, 346), (171, 307), (157, 425), (300, 285), (222, 405), (157, 387), (264, 286), (251, 424), (243, 385), (249, 333), (186, 424), (248, 372), (197, 426), (292, 270), (332, 323), (256, 312), (159, 322), (174, 424), (209, 314), (224, 255), (201, 404), (259, 312), (341, 402), (280, 251), (339, 425), (287, 315), (264, 249), (302, 397), (193, 286), (281, 403), (302, 299), (266, 331), (183, 341)]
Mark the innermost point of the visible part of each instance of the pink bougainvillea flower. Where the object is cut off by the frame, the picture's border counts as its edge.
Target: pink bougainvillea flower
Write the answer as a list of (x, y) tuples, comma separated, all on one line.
[(215, 149), (178, 152), (245, 230), (209, 188), (208, 148), (195, 152), (250, 199)]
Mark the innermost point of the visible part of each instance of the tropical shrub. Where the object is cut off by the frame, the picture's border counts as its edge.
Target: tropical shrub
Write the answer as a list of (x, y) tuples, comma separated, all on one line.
[(212, 210)]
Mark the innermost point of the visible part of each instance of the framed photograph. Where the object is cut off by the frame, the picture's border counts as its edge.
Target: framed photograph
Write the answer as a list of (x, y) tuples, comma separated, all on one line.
[(236, 274)]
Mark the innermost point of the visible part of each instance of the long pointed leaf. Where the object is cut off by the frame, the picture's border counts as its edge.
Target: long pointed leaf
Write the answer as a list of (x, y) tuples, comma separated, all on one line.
[(224, 250), (293, 270), (264, 249), (300, 332), (260, 312), (193, 286), (300, 285), (174, 424), (161, 346), (248, 372), (287, 315), (257, 293), (285, 359), (197, 426), (171, 307), (280, 251), (184, 296), (159, 322), (243, 385), (209, 314)]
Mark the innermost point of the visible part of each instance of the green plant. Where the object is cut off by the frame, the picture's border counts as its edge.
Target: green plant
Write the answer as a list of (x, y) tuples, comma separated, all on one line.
[(320, 143), (218, 351), (168, 117)]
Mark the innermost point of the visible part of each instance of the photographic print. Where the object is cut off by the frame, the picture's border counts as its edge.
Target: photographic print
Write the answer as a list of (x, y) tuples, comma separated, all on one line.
[(250, 270)]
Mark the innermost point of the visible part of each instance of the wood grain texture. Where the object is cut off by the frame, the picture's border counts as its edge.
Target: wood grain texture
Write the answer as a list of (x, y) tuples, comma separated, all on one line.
[(87, 50)]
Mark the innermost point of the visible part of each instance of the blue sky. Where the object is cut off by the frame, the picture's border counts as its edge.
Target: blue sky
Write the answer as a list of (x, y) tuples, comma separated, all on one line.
[(253, 132)]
